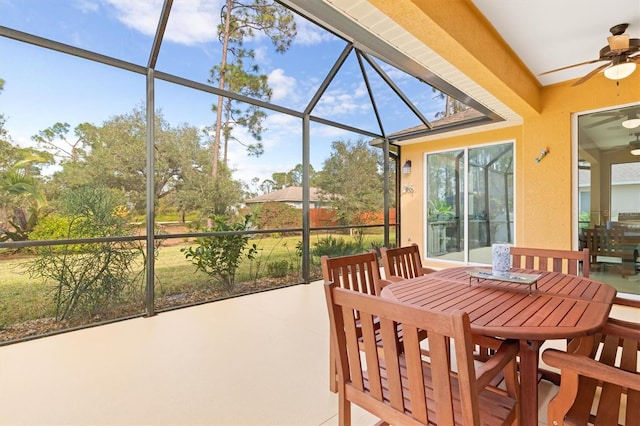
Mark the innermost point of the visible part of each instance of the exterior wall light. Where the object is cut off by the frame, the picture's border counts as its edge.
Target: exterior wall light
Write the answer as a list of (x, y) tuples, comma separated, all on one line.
[(543, 153), (406, 168)]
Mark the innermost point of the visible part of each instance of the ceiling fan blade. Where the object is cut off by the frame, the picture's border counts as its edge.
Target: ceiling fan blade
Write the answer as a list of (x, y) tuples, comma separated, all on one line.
[(591, 74), (571, 66)]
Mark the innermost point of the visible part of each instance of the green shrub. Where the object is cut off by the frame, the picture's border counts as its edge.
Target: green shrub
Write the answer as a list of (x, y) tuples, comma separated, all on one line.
[(332, 247), (278, 269), (273, 215), (52, 227), (220, 256), (89, 277)]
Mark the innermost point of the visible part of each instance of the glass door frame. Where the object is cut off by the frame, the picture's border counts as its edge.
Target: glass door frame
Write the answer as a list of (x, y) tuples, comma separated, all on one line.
[(465, 186)]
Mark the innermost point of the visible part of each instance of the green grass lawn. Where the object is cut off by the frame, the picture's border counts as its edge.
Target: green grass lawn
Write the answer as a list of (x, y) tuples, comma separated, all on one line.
[(23, 298)]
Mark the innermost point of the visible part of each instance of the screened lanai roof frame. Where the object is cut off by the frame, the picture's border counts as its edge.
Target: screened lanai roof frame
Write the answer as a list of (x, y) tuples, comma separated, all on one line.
[(358, 40)]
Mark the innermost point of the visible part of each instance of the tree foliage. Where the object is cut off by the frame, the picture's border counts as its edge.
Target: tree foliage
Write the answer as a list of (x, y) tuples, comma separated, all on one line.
[(114, 155), (4, 135), (351, 180), (239, 21), (274, 215), (21, 193), (452, 106), (54, 140)]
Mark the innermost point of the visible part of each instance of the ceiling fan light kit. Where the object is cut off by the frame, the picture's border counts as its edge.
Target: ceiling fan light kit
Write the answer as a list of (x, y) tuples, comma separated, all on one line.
[(620, 71), (621, 53), (631, 123)]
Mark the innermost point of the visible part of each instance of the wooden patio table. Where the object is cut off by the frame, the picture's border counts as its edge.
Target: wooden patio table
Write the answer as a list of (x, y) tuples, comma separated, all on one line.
[(564, 306)]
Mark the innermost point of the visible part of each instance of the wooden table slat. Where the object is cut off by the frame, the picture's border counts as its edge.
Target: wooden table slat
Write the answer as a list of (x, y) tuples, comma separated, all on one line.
[(564, 306)]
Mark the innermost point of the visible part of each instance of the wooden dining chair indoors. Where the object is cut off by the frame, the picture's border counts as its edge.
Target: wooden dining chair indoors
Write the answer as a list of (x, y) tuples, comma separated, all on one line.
[(359, 273), (600, 382), (398, 385), (565, 261), (402, 262)]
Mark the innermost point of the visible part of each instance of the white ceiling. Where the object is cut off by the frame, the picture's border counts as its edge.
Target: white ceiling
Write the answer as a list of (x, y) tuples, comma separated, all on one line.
[(550, 34)]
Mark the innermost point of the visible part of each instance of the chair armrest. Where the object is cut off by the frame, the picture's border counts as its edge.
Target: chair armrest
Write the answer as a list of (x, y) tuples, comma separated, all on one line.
[(424, 270), (622, 328), (584, 366), (632, 303), (487, 342), (488, 370)]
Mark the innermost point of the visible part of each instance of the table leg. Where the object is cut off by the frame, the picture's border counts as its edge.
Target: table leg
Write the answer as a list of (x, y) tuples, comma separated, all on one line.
[(529, 352)]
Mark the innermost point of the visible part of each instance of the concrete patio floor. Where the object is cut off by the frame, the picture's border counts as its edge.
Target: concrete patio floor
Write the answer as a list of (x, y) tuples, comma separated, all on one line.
[(255, 360)]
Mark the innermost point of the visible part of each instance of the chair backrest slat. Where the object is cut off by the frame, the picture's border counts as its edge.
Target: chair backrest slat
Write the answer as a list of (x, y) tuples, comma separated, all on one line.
[(393, 377), (585, 384), (402, 262), (357, 272), (566, 261)]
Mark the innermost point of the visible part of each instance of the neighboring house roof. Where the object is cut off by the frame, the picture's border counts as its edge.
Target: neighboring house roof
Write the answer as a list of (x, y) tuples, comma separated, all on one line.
[(291, 194), (458, 117)]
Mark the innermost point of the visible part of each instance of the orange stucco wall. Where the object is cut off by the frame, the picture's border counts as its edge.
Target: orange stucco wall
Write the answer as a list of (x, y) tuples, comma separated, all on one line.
[(543, 190)]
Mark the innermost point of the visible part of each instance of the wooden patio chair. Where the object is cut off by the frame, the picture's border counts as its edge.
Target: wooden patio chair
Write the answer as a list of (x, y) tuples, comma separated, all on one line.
[(565, 261), (403, 262), (359, 273), (603, 387), (594, 241), (611, 248), (399, 385)]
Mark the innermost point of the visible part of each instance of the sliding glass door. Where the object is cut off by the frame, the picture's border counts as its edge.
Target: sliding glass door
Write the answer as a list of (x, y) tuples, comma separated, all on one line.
[(463, 223)]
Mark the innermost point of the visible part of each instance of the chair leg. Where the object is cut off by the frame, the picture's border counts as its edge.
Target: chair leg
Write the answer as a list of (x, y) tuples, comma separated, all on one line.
[(344, 411), (333, 372)]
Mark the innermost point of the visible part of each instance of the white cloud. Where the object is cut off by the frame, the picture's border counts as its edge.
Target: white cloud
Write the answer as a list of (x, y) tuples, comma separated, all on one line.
[(310, 34), (87, 6), (262, 55), (283, 86), (361, 91), (190, 21), (335, 103)]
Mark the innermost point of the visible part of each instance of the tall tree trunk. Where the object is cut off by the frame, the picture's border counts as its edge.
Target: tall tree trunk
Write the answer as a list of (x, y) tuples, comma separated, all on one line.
[(225, 137), (223, 65)]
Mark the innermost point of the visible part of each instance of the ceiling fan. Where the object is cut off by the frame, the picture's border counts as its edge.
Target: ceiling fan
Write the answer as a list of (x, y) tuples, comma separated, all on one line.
[(634, 146), (622, 53), (631, 117)]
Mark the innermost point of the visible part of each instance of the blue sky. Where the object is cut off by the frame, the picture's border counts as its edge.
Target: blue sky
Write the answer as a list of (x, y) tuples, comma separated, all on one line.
[(44, 87)]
